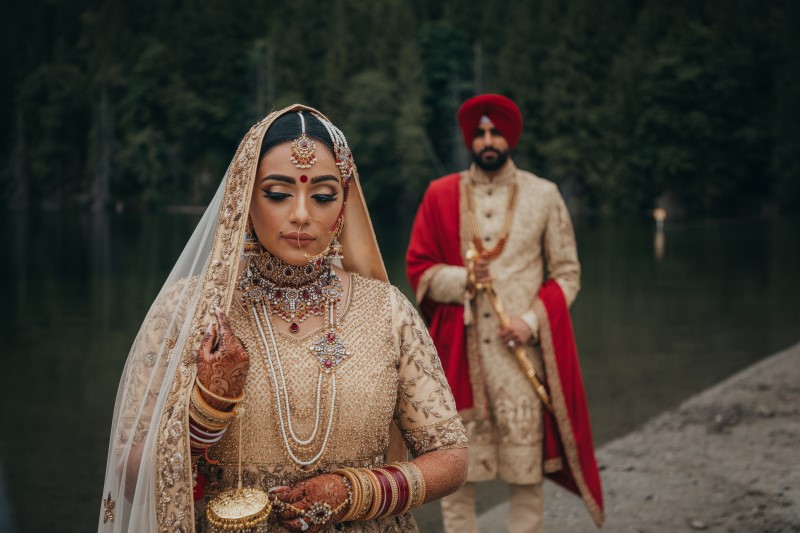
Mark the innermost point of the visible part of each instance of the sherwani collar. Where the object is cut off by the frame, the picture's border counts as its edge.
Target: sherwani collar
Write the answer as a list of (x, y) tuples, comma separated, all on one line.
[(480, 177)]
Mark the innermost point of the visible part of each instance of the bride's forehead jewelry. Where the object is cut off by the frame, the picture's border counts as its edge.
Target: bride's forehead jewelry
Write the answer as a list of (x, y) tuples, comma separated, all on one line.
[(342, 153), (303, 148)]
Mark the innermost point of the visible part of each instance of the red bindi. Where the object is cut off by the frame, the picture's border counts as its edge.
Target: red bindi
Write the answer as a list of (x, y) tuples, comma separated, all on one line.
[(303, 178)]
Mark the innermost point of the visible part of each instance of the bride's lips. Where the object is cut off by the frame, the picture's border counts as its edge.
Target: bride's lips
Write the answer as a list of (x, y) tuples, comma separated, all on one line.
[(298, 240)]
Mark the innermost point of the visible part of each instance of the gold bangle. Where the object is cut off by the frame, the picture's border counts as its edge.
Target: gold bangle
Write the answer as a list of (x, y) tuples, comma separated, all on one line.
[(358, 498), (377, 492), (349, 484), (210, 412), (423, 488), (198, 419), (413, 488), (217, 397), (367, 496), (395, 491), (416, 483), (420, 488), (355, 493), (199, 445), (358, 487)]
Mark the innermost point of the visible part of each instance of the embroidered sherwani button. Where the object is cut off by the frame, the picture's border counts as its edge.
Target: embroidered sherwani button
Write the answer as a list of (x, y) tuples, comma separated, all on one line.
[(488, 214), (486, 341)]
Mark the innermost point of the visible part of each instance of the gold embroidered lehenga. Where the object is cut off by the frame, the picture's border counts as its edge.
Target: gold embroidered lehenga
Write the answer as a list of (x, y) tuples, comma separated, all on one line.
[(391, 377)]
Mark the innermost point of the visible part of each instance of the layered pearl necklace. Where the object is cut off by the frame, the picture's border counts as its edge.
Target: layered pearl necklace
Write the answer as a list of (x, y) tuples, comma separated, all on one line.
[(293, 294)]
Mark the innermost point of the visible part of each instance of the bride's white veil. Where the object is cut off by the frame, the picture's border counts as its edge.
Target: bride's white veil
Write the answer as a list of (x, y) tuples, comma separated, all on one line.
[(148, 482)]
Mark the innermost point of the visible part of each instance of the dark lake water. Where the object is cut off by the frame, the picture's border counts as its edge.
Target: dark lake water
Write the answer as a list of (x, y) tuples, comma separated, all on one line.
[(659, 318)]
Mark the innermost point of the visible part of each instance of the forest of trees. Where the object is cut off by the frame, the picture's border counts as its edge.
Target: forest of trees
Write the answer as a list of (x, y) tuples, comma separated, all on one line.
[(626, 102)]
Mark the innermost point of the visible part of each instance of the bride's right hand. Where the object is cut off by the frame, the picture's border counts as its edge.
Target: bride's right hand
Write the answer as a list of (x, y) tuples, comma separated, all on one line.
[(222, 364)]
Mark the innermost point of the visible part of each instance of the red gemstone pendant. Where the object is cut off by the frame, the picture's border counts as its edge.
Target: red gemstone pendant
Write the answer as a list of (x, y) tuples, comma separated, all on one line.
[(294, 328), (330, 351)]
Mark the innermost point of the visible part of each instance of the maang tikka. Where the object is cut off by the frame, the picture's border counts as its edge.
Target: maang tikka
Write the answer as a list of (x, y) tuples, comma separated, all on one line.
[(303, 148)]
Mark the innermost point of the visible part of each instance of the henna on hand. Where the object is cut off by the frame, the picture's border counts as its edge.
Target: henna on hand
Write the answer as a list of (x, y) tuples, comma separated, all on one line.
[(222, 369), (444, 471), (325, 488)]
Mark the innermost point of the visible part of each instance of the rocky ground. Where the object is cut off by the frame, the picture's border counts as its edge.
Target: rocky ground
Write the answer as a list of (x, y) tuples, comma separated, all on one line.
[(727, 460)]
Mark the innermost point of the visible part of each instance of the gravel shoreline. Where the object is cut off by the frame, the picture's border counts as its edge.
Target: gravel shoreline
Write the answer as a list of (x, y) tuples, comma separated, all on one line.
[(726, 460)]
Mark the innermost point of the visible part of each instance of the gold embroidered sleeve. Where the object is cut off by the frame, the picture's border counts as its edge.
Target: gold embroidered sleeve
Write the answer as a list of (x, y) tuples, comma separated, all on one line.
[(447, 284), (560, 250), (444, 435), (425, 411)]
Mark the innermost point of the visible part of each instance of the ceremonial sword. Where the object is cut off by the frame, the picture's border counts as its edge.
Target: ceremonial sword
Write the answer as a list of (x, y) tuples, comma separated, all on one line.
[(525, 364)]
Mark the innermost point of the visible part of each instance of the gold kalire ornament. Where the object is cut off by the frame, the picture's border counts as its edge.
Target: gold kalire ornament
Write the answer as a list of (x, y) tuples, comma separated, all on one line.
[(240, 509)]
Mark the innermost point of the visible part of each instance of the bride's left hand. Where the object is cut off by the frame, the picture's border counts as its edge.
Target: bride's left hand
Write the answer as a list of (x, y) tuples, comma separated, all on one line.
[(292, 503)]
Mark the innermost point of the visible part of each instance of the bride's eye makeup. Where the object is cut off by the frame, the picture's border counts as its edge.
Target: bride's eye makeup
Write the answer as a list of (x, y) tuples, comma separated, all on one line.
[(276, 192), (276, 196), (324, 198)]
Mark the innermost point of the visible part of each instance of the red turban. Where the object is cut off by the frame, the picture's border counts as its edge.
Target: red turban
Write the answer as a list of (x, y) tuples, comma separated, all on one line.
[(502, 111)]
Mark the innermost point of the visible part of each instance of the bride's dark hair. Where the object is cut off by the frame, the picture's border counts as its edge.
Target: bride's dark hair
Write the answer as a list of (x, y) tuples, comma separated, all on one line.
[(287, 128)]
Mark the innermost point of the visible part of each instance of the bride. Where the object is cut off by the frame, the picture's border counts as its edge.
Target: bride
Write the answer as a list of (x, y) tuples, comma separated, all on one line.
[(277, 341)]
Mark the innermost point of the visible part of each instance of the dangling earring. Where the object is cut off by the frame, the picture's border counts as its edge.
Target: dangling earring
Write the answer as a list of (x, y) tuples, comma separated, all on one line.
[(251, 245), (335, 249)]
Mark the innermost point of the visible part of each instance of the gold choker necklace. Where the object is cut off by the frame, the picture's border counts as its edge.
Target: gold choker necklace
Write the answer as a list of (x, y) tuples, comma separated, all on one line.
[(293, 293), (282, 273)]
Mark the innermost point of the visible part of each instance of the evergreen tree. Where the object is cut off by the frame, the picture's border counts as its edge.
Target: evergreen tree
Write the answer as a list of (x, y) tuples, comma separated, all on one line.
[(447, 62), (623, 101), (782, 26), (370, 117)]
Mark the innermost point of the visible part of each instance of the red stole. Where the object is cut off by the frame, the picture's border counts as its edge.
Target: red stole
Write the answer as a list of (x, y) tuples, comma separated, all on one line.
[(568, 449), (435, 240)]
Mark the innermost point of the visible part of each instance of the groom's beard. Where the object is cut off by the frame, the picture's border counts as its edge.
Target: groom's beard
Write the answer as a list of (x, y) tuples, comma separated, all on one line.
[(490, 159)]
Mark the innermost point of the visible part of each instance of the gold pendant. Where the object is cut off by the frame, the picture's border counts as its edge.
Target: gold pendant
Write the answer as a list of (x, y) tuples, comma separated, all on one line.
[(330, 351), (303, 150)]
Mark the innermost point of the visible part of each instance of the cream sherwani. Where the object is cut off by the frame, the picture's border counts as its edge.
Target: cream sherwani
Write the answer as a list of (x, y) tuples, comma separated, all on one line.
[(505, 429)]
